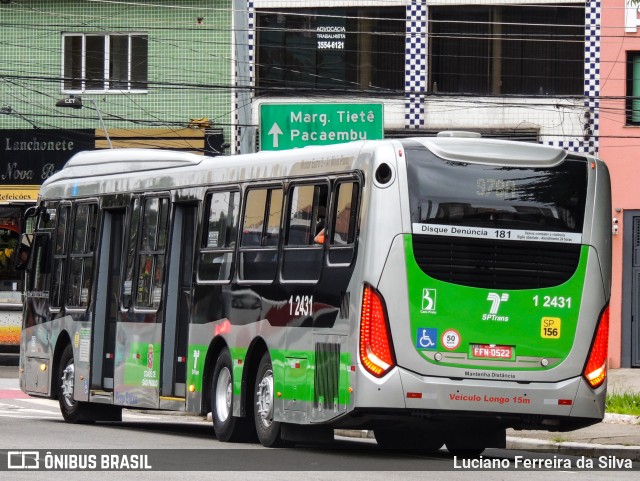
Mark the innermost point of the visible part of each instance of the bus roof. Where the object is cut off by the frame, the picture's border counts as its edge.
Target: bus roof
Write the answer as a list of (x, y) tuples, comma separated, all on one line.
[(492, 151), (107, 162), (139, 169)]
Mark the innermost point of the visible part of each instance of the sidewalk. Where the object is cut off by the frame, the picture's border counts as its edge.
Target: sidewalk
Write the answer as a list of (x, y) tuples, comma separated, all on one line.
[(617, 435)]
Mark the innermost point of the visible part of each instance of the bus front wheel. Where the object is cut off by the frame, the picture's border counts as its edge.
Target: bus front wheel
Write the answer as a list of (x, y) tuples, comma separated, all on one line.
[(72, 411)]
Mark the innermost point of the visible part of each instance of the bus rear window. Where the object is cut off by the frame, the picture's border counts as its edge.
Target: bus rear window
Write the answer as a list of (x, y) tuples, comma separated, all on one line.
[(494, 196)]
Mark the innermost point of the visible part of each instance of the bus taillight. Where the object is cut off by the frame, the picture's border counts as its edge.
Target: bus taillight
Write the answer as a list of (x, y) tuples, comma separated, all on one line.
[(595, 372), (376, 352)]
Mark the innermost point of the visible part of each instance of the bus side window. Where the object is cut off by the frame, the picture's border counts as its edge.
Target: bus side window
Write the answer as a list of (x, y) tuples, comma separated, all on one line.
[(132, 244), (271, 235), (60, 256), (343, 231), (303, 253), (152, 253), (80, 281), (260, 234), (219, 237), (38, 267)]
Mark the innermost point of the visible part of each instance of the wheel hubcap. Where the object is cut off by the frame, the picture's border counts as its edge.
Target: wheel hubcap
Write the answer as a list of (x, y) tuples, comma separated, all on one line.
[(224, 394), (68, 376), (265, 398)]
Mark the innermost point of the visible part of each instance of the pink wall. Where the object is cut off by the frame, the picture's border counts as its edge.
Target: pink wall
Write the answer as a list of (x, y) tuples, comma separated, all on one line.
[(619, 146)]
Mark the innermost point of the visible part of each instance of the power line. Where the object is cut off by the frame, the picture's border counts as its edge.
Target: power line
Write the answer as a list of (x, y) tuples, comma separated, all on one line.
[(346, 89)]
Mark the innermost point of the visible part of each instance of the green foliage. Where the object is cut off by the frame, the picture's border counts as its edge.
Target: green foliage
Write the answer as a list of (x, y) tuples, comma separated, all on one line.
[(623, 402)]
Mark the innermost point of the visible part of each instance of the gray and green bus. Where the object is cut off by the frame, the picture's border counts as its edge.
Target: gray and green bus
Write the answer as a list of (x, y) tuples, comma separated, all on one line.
[(434, 290)]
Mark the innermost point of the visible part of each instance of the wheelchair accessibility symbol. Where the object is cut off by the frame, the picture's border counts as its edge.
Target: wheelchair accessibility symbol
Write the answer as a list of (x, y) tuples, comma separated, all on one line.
[(426, 338)]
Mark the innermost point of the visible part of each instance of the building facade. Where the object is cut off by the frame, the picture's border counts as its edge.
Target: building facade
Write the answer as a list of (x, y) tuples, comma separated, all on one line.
[(507, 69), (620, 148), (154, 74)]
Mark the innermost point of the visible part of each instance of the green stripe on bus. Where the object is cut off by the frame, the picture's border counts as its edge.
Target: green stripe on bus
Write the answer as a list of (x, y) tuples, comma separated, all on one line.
[(294, 372)]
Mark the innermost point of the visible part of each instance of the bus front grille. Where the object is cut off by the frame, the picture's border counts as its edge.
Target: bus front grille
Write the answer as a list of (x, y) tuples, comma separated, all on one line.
[(495, 264)]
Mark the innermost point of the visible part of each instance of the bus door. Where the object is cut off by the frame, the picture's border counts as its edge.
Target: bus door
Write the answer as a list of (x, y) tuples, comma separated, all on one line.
[(139, 329), (107, 301), (178, 301)]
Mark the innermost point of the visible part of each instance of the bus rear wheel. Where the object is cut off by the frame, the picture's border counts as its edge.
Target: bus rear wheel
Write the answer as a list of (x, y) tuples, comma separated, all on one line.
[(471, 441), (466, 447), (267, 429), (72, 411), (227, 427)]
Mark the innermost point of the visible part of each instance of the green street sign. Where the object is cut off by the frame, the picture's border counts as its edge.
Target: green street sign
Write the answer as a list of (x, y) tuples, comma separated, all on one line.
[(288, 126)]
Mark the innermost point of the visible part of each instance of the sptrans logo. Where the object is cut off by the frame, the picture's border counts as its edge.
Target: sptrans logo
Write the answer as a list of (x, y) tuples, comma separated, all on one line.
[(496, 300)]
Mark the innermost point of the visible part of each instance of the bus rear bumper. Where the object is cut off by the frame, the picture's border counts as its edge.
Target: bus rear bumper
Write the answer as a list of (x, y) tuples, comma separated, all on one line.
[(555, 406), (570, 397)]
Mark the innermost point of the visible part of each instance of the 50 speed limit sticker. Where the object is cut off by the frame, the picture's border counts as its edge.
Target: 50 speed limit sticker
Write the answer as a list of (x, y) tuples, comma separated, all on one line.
[(450, 339)]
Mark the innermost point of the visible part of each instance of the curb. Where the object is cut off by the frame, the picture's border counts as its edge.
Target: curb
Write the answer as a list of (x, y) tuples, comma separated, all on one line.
[(621, 419), (575, 449), (567, 448)]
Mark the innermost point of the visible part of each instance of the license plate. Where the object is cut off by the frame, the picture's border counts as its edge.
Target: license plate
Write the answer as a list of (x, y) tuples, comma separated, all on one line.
[(490, 351)]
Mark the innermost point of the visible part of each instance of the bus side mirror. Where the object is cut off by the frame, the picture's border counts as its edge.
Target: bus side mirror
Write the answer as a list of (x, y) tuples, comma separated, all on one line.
[(30, 212), (24, 252)]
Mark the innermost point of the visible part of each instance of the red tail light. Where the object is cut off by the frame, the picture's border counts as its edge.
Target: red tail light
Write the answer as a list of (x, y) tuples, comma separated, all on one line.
[(376, 352), (595, 371)]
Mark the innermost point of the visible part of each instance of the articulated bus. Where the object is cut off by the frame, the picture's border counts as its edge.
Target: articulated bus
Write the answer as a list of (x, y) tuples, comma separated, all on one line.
[(434, 290)]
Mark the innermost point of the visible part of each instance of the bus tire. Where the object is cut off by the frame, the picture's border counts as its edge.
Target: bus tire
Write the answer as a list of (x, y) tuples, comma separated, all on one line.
[(72, 411), (465, 448), (267, 429), (471, 441), (408, 439), (465, 452), (227, 427)]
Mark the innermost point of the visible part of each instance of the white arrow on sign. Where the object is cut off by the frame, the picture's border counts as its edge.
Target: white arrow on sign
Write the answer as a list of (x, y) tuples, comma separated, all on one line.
[(275, 131)]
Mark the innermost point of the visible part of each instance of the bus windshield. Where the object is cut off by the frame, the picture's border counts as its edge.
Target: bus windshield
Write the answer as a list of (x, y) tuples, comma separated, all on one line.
[(493, 196)]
